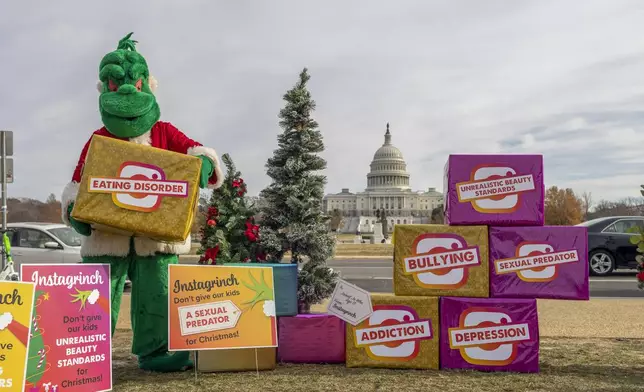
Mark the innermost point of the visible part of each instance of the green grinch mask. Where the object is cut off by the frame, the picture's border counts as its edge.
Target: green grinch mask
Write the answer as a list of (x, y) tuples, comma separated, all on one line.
[(127, 105)]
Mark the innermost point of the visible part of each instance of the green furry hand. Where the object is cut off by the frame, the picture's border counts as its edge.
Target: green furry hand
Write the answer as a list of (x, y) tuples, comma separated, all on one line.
[(207, 167), (80, 227)]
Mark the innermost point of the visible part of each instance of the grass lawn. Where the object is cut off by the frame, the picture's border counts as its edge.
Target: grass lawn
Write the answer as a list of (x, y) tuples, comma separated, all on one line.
[(596, 345), (567, 364), (345, 250)]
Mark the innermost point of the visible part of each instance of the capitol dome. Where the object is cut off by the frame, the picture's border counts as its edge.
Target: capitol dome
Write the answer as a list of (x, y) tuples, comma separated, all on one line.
[(388, 168)]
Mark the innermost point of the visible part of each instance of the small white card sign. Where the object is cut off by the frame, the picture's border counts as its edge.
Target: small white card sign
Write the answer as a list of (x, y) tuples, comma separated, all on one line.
[(350, 303)]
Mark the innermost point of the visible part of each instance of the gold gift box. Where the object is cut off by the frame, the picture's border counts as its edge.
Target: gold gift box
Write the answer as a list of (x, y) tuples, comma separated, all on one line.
[(237, 360), (441, 260), (131, 189), (419, 318)]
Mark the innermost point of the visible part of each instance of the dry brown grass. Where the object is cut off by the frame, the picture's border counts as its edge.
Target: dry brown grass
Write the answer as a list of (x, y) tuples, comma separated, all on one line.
[(357, 250), (342, 237), (347, 250), (585, 346), (566, 365)]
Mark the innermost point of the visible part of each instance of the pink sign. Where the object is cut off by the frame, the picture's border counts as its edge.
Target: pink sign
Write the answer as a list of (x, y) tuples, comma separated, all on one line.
[(70, 341)]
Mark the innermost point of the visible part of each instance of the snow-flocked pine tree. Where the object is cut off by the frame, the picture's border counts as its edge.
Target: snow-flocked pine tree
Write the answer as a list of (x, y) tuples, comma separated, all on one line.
[(292, 216)]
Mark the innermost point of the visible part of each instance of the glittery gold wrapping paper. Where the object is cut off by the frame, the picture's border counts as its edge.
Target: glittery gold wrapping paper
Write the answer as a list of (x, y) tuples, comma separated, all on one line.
[(426, 251), (417, 350), (173, 217), (243, 359)]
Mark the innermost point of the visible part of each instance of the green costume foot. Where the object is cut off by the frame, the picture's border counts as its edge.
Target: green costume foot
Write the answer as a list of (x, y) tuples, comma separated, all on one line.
[(166, 363)]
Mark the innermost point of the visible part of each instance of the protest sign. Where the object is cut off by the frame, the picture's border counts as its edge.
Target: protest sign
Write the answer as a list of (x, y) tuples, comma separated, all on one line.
[(71, 345), (221, 307), (16, 306)]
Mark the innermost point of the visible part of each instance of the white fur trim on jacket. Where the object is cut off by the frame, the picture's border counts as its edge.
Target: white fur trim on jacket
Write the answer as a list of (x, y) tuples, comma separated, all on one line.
[(68, 197), (143, 140), (101, 243), (212, 154)]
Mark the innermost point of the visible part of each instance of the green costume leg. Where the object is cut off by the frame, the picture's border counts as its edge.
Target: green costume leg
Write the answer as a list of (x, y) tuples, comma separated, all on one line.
[(149, 276), (118, 275)]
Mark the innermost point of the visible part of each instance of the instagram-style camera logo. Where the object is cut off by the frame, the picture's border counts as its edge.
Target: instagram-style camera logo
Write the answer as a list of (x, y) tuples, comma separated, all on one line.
[(138, 187), (494, 189), (488, 337), (392, 333), (536, 262), (441, 261)]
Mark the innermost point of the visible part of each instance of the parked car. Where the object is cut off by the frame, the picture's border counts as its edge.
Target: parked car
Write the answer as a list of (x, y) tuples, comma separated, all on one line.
[(33, 243), (609, 243)]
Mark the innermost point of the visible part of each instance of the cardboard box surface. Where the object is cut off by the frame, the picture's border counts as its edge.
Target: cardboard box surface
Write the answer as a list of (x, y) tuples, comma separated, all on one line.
[(237, 360), (159, 201), (489, 334), (441, 260), (558, 256), (383, 339), (311, 338), (494, 190)]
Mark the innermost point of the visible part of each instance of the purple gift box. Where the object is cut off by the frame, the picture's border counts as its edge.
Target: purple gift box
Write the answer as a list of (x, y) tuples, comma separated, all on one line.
[(311, 338), (539, 262), (489, 334), (495, 190)]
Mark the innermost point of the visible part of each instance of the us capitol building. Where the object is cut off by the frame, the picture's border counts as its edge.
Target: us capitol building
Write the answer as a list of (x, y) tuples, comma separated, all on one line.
[(388, 188)]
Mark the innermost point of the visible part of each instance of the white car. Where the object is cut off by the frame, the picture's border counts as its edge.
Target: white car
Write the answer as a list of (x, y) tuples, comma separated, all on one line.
[(43, 243)]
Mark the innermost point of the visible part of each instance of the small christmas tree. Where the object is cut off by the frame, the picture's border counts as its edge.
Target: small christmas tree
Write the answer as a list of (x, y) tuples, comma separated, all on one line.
[(230, 234), (292, 217)]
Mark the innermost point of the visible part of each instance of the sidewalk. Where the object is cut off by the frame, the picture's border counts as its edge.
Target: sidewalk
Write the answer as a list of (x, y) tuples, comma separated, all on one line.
[(344, 257), (597, 318)]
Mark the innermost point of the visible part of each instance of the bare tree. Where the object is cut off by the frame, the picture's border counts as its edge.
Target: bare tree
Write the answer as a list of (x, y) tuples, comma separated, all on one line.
[(586, 204), (437, 216), (629, 206)]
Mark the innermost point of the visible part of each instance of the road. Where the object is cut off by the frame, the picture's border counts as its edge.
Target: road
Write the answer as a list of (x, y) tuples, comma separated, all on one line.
[(375, 275)]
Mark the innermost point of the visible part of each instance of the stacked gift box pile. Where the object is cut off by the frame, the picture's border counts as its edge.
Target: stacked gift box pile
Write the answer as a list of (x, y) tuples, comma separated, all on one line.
[(465, 292)]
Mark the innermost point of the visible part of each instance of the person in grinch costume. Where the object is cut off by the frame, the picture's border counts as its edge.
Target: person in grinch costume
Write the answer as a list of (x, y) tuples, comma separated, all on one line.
[(130, 112)]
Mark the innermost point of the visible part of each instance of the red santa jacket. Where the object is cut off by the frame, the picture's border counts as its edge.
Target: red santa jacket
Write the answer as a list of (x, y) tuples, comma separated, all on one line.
[(167, 137), (162, 135)]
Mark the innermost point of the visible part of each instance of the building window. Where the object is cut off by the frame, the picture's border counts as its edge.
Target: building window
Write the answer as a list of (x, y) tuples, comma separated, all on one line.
[(405, 221), (398, 221), (367, 221)]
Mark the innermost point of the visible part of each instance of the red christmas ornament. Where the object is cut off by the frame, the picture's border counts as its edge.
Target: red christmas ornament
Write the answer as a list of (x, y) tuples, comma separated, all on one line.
[(210, 256), (211, 222), (212, 212), (246, 260), (252, 231), (261, 256), (640, 276), (252, 237), (237, 183)]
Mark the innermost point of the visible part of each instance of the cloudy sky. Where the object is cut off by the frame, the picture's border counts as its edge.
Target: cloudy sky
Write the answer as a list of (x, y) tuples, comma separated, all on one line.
[(562, 78)]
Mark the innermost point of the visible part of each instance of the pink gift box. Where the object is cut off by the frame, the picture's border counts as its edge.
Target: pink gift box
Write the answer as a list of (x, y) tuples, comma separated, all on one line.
[(311, 338)]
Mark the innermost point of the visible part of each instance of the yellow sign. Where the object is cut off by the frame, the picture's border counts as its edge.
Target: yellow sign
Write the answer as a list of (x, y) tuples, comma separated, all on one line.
[(16, 311), (221, 307)]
